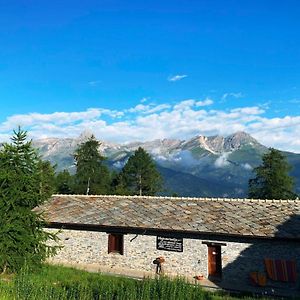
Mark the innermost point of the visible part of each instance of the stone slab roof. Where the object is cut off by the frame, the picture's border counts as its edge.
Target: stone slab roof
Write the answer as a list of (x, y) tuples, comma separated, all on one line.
[(235, 217)]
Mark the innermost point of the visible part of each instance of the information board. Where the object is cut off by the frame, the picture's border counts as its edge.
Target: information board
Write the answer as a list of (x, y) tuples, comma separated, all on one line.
[(169, 244)]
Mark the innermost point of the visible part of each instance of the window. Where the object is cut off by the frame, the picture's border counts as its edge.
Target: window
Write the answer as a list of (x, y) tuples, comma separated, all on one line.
[(116, 243)]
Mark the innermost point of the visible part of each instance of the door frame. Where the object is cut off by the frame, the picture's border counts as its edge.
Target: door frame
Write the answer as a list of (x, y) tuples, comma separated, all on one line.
[(218, 249)]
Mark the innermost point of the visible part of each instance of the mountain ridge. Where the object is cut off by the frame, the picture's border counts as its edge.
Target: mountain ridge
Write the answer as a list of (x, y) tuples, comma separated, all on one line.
[(199, 166)]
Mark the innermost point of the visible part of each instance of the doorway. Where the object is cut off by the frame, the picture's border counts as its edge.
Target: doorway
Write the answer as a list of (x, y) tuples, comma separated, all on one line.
[(214, 261)]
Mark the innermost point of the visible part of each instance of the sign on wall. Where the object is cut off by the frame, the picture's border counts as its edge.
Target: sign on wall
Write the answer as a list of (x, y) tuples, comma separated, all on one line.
[(169, 244)]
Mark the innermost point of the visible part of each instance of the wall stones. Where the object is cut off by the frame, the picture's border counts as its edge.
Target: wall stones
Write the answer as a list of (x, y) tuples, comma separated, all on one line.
[(238, 259), (92, 248)]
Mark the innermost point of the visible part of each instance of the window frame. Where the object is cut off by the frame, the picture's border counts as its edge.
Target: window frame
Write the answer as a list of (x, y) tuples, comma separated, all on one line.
[(116, 243)]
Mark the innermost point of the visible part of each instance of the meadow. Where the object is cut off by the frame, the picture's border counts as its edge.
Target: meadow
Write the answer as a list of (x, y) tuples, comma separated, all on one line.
[(61, 283)]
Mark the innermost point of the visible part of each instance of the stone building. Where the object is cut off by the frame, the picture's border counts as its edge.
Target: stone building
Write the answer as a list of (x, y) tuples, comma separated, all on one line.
[(221, 241)]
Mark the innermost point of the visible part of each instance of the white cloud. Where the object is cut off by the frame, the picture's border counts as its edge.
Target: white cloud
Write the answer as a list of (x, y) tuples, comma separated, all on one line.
[(158, 108), (232, 95), (222, 161), (4, 137), (148, 109), (189, 103), (247, 166), (176, 77), (138, 108), (59, 118), (252, 110), (181, 120), (205, 102), (185, 104)]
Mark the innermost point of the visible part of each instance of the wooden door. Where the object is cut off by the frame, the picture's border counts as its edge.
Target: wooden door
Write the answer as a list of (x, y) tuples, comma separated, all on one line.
[(214, 261)]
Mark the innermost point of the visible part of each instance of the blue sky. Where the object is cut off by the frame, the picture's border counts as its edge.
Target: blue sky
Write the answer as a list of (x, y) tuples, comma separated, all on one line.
[(133, 70)]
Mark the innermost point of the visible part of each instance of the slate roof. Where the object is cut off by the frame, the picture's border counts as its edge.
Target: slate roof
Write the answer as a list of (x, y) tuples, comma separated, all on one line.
[(235, 217)]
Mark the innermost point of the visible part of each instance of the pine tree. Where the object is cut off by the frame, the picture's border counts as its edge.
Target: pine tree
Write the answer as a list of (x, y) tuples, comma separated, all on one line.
[(272, 180), (64, 183), (22, 187), (92, 176), (118, 184), (47, 184), (140, 175)]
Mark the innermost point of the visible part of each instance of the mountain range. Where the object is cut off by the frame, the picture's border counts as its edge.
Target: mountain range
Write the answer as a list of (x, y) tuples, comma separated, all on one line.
[(206, 166)]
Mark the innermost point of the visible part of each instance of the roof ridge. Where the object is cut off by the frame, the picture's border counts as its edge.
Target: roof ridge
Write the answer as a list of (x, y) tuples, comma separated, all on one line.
[(220, 199)]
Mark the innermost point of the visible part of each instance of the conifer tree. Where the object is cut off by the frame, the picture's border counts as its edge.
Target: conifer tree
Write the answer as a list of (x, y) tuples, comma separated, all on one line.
[(140, 175), (272, 180), (118, 184), (92, 176), (47, 184), (22, 187), (64, 182)]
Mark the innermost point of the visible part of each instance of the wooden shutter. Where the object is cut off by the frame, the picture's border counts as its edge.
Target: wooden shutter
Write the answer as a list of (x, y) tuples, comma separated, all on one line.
[(111, 243), (119, 243), (116, 243)]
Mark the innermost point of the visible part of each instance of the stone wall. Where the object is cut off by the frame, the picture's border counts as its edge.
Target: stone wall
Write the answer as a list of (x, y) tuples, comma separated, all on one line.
[(238, 259), (92, 248)]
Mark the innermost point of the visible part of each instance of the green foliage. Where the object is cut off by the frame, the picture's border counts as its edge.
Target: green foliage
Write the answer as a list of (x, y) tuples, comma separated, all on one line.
[(53, 282), (118, 184), (64, 183), (24, 184), (272, 180), (92, 176), (140, 176), (47, 185)]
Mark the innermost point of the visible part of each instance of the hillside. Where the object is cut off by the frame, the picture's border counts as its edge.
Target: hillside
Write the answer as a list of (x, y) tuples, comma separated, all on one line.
[(202, 166)]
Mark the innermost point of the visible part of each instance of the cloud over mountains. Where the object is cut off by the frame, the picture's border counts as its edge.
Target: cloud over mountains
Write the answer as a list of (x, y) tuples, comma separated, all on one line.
[(183, 120)]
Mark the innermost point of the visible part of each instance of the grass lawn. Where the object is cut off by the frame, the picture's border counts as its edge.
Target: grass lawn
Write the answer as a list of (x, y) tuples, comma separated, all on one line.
[(55, 282)]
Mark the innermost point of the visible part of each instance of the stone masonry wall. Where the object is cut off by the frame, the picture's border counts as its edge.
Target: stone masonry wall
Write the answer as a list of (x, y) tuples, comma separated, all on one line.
[(238, 259), (92, 248)]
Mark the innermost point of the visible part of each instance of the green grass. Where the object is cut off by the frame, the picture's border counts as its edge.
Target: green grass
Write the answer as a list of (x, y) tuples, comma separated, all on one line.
[(54, 282)]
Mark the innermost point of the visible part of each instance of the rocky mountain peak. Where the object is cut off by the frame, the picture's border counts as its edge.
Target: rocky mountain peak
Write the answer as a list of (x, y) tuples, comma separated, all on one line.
[(218, 144), (237, 140), (215, 143)]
